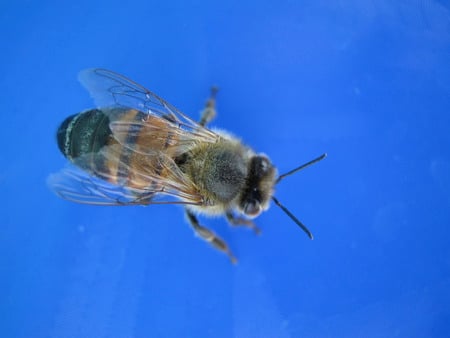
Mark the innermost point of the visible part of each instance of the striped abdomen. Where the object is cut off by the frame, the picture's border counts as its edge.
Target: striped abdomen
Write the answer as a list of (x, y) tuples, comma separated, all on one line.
[(86, 140)]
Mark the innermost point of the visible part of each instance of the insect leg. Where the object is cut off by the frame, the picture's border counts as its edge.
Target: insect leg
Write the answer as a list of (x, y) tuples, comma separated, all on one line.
[(209, 236), (210, 108), (240, 221)]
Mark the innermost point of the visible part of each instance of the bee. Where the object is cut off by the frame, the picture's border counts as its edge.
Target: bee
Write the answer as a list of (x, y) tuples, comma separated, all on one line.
[(138, 149)]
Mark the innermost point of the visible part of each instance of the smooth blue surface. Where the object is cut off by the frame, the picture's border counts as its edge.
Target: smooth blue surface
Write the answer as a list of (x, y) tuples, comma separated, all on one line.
[(367, 82)]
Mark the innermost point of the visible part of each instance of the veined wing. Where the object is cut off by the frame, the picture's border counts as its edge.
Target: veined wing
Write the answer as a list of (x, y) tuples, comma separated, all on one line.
[(157, 181), (112, 89)]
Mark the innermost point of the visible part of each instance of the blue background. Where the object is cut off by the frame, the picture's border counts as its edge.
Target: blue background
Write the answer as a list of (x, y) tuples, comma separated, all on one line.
[(367, 82)]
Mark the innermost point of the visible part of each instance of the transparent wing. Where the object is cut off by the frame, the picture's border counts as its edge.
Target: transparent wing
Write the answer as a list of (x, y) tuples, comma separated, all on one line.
[(148, 171), (87, 184), (156, 135), (76, 185), (112, 89)]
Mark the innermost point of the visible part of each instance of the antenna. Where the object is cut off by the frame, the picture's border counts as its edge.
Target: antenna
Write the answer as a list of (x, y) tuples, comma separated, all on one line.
[(295, 219), (303, 166), (282, 207)]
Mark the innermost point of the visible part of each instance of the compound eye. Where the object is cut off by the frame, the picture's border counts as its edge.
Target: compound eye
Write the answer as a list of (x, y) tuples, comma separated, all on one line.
[(252, 208), (264, 165)]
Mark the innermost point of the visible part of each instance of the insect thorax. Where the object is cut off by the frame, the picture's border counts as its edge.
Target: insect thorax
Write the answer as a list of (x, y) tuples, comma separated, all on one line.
[(219, 170)]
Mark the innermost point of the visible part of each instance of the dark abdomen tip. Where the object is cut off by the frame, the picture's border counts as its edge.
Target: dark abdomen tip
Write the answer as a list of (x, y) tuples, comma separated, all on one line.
[(83, 133)]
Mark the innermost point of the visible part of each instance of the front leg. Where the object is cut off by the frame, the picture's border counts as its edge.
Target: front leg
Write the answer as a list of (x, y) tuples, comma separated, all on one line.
[(209, 236), (240, 221)]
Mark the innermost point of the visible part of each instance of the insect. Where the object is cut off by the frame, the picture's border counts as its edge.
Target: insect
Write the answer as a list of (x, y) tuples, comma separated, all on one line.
[(137, 149)]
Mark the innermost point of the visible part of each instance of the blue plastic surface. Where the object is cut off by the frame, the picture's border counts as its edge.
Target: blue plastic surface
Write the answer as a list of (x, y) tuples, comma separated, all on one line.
[(367, 82)]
